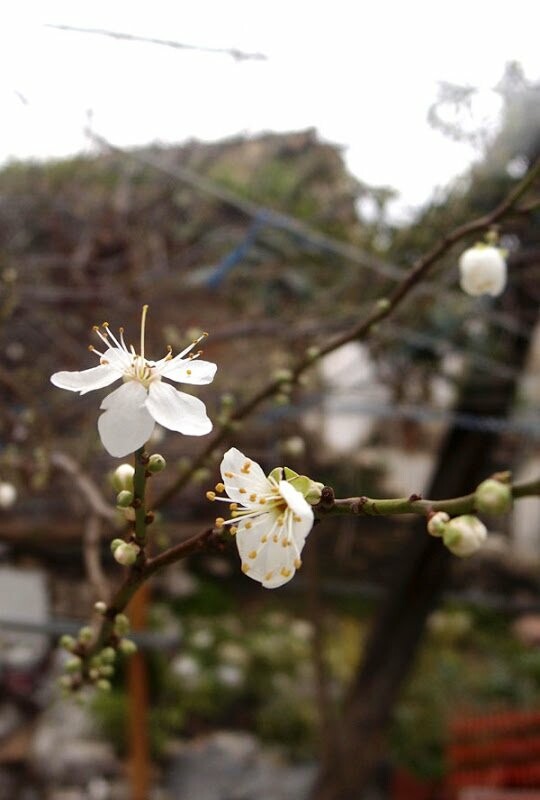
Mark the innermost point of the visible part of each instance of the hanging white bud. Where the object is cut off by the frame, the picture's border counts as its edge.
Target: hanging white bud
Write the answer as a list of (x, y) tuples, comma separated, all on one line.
[(436, 525), (464, 535), (8, 494), (493, 497), (482, 270), (126, 554), (122, 478)]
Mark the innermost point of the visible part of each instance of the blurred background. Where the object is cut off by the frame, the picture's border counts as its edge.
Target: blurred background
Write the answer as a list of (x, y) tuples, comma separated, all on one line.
[(266, 174)]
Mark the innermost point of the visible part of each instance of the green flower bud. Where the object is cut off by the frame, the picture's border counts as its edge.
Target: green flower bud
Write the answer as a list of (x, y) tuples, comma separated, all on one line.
[(73, 664), (464, 535), (281, 399), (283, 375), (156, 463), (93, 674), (436, 525), (121, 625), (107, 655), (104, 685), (126, 554), (124, 498), (116, 543), (106, 671), (67, 642), (122, 478), (86, 634), (127, 647), (493, 497)]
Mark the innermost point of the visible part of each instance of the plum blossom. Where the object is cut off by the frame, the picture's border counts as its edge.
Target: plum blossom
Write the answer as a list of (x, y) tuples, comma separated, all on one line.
[(483, 270), (270, 518), (131, 411)]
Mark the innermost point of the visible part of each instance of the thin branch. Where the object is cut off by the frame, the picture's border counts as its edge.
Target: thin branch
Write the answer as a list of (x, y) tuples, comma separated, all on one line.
[(84, 483), (359, 332), (92, 562), (238, 55)]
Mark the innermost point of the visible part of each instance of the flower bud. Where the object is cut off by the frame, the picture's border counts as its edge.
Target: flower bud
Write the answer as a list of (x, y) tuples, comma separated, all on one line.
[(121, 625), (436, 525), (124, 498), (482, 270), (283, 375), (86, 634), (464, 535), (104, 685), (493, 497), (8, 494), (107, 670), (107, 655), (122, 478), (100, 607), (127, 647), (156, 463), (116, 543), (67, 642), (126, 553), (73, 664)]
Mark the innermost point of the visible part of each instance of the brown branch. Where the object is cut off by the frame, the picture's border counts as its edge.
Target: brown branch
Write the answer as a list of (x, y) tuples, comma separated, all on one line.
[(382, 310), (92, 561)]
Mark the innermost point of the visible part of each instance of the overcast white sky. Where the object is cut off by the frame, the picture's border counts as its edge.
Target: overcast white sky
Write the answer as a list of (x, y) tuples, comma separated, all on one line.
[(362, 73)]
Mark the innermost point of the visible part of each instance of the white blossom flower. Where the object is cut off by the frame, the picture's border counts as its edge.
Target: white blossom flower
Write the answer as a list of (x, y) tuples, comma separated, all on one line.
[(482, 270), (132, 410), (464, 535), (271, 519), (8, 494)]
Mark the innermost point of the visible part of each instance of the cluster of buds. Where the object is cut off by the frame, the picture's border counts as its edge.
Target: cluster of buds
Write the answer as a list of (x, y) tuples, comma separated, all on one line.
[(463, 535), (97, 669)]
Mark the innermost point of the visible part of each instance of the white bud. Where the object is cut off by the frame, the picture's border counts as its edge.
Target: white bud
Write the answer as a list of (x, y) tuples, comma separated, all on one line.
[(464, 535), (126, 554), (8, 494), (436, 525), (482, 270), (493, 497), (122, 478)]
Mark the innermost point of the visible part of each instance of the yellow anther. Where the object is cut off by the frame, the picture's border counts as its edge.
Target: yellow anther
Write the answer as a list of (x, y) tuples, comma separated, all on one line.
[(269, 576), (105, 324), (245, 567), (264, 539), (95, 328), (233, 506), (229, 474), (296, 518), (285, 542), (246, 468), (285, 572), (219, 487), (249, 525), (274, 490), (234, 530), (275, 538), (210, 495), (188, 371), (281, 520), (297, 563), (262, 501), (242, 491), (220, 522), (252, 498), (253, 554)]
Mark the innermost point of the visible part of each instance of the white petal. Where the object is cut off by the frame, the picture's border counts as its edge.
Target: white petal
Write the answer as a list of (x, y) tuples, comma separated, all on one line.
[(239, 472), (482, 271), (87, 380), (177, 411), (118, 358), (295, 500), (126, 424), (263, 558), (185, 371)]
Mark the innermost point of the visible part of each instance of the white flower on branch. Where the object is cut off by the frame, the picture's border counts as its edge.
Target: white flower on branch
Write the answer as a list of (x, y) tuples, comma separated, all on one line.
[(271, 519), (132, 410), (482, 270)]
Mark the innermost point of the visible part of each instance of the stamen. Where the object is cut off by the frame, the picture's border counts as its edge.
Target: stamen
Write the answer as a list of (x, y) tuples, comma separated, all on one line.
[(233, 506), (269, 575), (220, 487), (188, 372), (246, 468), (245, 567), (248, 525), (253, 554), (220, 522), (229, 474), (297, 563), (233, 530), (252, 498), (285, 572), (143, 326), (242, 491), (210, 496), (111, 334)]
